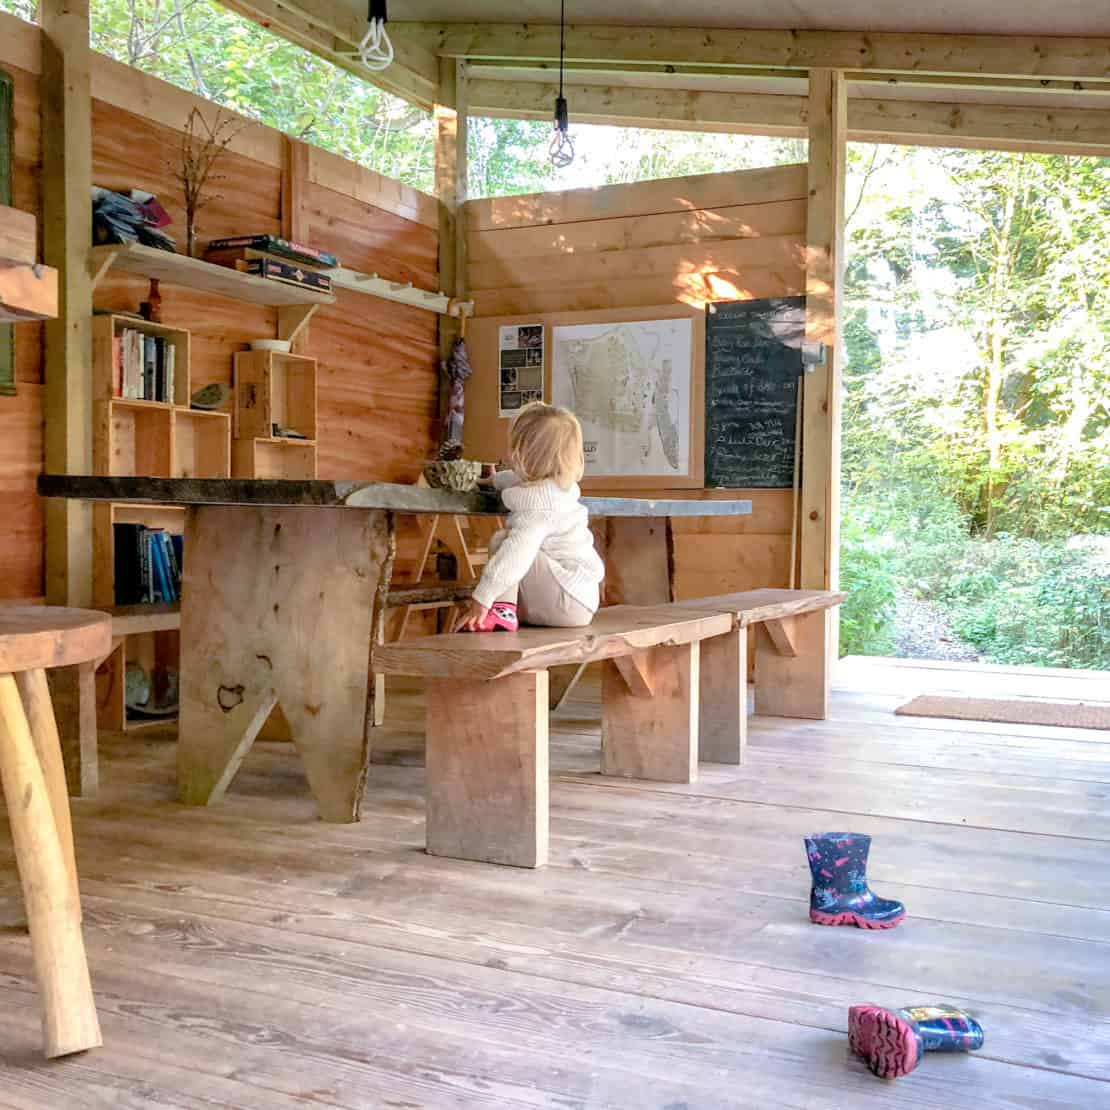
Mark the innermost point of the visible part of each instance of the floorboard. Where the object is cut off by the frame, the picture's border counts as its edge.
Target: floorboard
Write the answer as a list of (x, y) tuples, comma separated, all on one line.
[(249, 955)]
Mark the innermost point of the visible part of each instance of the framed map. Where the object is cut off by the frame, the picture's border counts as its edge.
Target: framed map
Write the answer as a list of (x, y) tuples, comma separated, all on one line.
[(630, 383)]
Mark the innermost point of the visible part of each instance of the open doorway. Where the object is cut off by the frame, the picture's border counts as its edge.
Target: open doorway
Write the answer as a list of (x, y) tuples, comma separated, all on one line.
[(976, 444)]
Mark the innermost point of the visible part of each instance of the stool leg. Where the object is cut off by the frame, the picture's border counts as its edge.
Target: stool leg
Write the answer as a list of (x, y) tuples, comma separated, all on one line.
[(35, 693), (69, 1012)]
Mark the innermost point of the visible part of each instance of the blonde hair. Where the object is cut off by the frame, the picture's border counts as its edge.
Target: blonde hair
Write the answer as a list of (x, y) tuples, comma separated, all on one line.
[(545, 441)]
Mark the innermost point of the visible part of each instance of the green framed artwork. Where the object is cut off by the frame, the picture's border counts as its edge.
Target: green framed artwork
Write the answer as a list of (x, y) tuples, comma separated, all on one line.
[(7, 127)]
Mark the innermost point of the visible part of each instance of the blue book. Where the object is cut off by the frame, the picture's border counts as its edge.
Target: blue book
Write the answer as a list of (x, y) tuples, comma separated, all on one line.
[(158, 570), (168, 562)]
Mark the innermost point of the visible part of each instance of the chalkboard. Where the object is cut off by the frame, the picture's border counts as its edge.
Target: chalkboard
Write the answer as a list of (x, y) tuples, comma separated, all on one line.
[(753, 359)]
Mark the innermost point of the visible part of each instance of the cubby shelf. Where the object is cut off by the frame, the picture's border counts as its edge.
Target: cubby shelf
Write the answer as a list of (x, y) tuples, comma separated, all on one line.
[(149, 438), (274, 391)]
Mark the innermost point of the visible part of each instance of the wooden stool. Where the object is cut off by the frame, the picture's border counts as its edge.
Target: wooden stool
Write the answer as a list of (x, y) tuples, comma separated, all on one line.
[(34, 783)]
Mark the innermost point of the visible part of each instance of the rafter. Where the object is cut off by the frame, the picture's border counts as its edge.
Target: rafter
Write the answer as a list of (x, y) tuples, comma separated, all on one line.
[(1052, 130), (1086, 59)]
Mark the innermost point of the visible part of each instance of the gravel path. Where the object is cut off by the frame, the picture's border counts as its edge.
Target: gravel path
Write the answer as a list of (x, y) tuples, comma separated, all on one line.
[(922, 631)]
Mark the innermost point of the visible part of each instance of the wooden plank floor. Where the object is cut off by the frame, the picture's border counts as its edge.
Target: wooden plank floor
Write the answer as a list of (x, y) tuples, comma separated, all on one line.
[(248, 955)]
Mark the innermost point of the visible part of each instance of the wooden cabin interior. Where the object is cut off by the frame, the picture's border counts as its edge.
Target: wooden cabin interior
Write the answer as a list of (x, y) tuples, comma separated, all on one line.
[(331, 880)]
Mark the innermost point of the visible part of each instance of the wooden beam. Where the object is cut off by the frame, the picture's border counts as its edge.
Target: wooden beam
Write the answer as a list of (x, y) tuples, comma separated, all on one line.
[(870, 51), (451, 172), (824, 269), (293, 322), (930, 123), (67, 217)]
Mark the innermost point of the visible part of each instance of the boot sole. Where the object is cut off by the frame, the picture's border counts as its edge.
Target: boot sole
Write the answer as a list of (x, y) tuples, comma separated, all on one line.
[(884, 1040), (849, 918)]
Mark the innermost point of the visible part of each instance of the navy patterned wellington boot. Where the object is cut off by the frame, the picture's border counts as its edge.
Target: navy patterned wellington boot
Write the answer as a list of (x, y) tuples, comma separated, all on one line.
[(893, 1041), (840, 895)]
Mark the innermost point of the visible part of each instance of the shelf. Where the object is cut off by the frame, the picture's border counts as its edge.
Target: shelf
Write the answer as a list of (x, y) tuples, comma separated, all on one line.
[(201, 444), (274, 458), (28, 291), (180, 269), (133, 437), (403, 292)]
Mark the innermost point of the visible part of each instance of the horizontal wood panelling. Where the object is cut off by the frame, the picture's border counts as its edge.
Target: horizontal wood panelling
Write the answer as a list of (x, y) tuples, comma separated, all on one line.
[(695, 240), (702, 225), (675, 263), (675, 194)]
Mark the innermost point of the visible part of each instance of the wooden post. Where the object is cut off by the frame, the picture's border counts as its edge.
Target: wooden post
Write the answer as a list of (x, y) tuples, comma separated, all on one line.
[(820, 523), (824, 263), (723, 713), (792, 667), (67, 220), (294, 225), (451, 170)]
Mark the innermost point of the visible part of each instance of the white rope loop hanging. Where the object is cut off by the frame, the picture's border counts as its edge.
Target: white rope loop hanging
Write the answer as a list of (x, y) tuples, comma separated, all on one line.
[(375, 51)]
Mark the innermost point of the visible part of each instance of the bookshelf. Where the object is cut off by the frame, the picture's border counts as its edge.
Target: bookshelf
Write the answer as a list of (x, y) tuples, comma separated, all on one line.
[(156, 438), (274, 390)]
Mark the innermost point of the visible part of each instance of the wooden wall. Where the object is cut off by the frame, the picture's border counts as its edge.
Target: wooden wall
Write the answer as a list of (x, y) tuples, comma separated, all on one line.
[(378, 360), (680, 242)]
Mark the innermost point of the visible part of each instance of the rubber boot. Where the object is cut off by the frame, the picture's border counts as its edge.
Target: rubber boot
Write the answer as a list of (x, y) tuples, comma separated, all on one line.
[(893, 1041), (502, 617), (840, 895)]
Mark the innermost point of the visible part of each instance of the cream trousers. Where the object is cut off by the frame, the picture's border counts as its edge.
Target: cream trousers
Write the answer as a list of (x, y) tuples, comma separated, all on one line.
[(539, 598)]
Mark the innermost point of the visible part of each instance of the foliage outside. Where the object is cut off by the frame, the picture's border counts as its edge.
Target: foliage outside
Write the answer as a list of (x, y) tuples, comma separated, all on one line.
[(977, 326)]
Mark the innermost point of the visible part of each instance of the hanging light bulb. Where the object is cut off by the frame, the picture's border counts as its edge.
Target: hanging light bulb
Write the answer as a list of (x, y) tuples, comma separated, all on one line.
[(375, 51), (561, 150)]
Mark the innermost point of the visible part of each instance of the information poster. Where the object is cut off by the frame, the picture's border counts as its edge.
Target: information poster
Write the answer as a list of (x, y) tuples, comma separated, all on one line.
[(520, 366), (629, 385)]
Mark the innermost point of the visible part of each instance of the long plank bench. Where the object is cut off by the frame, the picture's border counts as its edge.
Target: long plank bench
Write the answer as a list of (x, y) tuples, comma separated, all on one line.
[(487, 710), (793, 657)]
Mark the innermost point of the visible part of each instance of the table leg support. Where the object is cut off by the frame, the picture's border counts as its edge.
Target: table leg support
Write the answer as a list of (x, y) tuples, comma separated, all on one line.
[(792, 667), (723, 714), (53, 912), (649, 725), (487, 769)]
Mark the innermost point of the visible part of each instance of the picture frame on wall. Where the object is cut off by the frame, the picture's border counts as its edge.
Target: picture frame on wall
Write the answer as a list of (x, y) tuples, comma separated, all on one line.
[(646, 463)]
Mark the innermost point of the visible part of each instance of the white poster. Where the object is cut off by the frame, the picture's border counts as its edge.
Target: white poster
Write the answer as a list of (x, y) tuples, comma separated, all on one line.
[(629, 385), (519, 366)]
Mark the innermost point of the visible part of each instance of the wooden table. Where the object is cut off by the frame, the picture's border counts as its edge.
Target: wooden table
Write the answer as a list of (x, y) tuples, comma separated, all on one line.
[(283, 597)]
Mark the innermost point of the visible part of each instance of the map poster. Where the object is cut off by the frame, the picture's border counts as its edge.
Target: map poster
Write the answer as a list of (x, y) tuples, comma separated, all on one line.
[(519, 366), (629, 385)]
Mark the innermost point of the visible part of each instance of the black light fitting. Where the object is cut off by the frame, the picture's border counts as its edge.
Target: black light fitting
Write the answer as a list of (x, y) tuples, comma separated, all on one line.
[(561, 150)]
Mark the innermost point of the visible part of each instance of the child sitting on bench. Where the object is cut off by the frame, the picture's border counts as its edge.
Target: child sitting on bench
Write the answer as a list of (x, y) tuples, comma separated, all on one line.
[(543, 568)]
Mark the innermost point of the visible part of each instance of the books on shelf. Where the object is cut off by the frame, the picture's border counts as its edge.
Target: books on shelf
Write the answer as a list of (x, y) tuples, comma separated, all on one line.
[(276, 269), (143, 366), (227, 252), (148, 564)]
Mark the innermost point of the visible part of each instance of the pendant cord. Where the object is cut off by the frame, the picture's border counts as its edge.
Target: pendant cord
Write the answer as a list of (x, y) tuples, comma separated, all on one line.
[(562, 41)]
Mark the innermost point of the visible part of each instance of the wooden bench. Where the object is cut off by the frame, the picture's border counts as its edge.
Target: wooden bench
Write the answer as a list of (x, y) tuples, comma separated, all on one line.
[(793, 656), (487, 709)]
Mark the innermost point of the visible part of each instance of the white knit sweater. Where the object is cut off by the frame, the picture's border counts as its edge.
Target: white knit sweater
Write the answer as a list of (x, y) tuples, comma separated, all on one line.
[(543, 517)]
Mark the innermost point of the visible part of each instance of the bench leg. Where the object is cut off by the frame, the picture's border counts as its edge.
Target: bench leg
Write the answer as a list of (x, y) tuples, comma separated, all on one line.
[(723, 709), (487, 769), (49, 892), (793, 685), (73, 691), (649, 722)]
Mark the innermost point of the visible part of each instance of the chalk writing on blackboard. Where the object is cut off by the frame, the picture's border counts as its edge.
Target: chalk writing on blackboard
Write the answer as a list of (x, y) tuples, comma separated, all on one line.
[(753, 361)]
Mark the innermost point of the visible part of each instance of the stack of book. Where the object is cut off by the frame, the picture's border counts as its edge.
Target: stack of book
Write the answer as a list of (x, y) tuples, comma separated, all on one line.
[(142, 366), (148, 565), (276, 259)]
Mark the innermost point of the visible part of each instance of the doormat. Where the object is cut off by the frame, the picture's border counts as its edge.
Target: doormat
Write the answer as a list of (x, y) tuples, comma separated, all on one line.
[(1016, 711)]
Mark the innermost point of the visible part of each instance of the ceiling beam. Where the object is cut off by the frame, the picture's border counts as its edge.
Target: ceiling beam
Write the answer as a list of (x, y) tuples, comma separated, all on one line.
[(333, 32), (1085, 59), (928, 123)]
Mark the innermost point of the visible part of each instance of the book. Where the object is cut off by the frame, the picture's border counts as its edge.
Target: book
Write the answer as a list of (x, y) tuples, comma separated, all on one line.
[(166, 561), (146, 585), (128, 563), (288, 273), (171, 358), (117, 366), (273, 244), (150, 368)]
